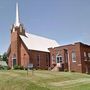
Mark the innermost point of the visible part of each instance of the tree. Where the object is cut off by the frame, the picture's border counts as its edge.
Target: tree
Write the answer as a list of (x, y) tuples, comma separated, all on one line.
[(4, 57), (0, 57)]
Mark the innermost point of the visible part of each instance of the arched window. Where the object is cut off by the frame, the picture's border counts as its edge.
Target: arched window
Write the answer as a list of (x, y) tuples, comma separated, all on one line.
[(58, 59)]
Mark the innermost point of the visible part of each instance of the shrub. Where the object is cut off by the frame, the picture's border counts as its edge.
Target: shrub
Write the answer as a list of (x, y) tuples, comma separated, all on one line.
[(21, 68), (8, 68), (16, 67), (4, 68), (1, 68)]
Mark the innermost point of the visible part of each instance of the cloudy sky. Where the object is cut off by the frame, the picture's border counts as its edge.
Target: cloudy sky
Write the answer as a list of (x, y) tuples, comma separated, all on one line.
[(66, 21)]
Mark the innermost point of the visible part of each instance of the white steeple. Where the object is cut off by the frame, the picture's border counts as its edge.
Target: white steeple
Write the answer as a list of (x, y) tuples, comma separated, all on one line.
[(17, 23)]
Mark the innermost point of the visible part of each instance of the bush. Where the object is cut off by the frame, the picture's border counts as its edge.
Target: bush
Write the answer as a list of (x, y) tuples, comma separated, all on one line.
[(4, 68), (16, 67), (21, 68), (1, 68), (8, 68)]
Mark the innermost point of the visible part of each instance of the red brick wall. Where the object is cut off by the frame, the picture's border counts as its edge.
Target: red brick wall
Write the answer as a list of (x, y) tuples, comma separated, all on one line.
[(10, 60), (44, 59), (24, 55), (14, 46), (85, 48), (15, 43), (79, 48)]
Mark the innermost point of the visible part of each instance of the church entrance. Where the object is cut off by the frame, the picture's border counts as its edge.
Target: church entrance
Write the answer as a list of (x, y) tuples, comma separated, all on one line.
[(14, 61), (59, 62)]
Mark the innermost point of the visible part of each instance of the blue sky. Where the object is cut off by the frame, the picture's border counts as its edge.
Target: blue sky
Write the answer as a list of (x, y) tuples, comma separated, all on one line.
[(66, 21)]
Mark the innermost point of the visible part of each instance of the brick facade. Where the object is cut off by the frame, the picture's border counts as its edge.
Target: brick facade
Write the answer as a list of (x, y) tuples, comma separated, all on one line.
[(40, 59), (72, 57), (19, 54), (80, 63)]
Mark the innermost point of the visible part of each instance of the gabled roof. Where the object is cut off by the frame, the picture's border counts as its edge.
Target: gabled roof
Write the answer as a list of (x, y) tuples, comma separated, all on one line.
[(34, 42)]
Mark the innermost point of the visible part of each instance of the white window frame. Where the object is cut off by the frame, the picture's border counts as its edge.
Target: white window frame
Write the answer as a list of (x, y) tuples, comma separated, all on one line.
[(89, 56), (60, 59), (85, 54), (73, 56)]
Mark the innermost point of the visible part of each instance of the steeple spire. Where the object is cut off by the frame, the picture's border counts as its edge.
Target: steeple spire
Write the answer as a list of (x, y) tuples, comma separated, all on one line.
[(17, 26), (17, 22)]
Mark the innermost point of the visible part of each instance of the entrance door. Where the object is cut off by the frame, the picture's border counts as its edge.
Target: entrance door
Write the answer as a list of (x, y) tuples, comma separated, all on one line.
[(14, 62), (59, 62), (59, 59)]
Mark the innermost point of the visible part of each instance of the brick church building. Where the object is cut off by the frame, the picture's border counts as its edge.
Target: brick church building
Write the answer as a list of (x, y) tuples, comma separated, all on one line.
[(42, 52), (28, 48)]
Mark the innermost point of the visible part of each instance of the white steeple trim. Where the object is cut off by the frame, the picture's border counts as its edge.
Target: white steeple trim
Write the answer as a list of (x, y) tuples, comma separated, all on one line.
[(17, 23)]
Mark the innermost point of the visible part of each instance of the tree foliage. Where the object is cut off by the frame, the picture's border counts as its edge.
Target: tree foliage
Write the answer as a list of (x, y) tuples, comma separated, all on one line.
[(4, 57), (0, 57)]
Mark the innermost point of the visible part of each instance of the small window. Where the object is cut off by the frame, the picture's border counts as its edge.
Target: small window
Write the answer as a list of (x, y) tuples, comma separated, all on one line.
[(89, 56), (73, 56), (85, 55), (47, 60), (38, 60)]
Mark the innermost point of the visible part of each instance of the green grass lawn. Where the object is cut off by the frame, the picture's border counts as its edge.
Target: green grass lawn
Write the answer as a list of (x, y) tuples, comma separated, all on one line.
[(43, 80)]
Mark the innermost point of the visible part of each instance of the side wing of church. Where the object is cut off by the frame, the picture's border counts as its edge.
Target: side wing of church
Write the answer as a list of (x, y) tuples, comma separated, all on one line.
[(73, 57)]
